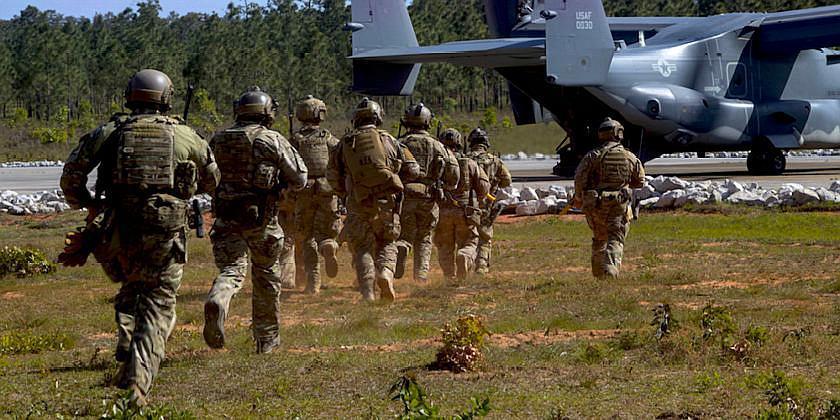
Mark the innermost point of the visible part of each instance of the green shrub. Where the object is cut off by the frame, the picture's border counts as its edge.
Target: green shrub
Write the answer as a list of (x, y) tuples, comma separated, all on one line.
[(121, 408), (594, 353), (50, 135), (463, 342), (757, 335), (24, 262), (24, 342), (490, 119), (718, 325), (417, 405)]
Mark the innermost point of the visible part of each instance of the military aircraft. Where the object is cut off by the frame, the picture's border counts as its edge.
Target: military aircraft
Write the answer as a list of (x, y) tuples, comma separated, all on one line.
[(759, 82)]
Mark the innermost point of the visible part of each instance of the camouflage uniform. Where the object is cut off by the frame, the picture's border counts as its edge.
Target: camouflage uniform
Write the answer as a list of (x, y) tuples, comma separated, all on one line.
[(499, 178), (256, 163), (290, 259), (420, 212), (456, 236), (145, 243), (317, 216), (603, 183), (373, 217)]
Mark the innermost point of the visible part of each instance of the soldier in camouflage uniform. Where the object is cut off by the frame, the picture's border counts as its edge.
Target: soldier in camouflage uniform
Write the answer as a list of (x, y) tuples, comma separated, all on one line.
[(317, 217), (499, 178), (603, 183), (257, 163), (420, 213), (456, 236), (290, 259), (368, 169), (150, 164)]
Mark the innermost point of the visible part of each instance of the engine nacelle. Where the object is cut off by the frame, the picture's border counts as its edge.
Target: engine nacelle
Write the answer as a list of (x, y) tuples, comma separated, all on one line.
[(685, 107)]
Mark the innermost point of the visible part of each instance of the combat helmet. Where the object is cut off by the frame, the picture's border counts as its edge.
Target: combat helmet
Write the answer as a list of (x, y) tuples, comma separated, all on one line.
[(311, 110), (255, 105), (418, 116), (452, 139), (611, 130), (367, 112), (149, 87), (479, 136)]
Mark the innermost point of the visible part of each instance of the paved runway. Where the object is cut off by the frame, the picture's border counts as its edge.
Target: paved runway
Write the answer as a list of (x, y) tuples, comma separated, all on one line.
[(809, 171)]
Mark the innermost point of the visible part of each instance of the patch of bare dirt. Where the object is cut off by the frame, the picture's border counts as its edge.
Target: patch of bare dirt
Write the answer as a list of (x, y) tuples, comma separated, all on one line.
[(534, 338), (684, 305), (101, 336), (11, 295), (744, 283), (508, 219)]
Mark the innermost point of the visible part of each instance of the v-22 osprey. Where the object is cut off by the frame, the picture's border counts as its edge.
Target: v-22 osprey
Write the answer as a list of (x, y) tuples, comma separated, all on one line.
[(759, 82)]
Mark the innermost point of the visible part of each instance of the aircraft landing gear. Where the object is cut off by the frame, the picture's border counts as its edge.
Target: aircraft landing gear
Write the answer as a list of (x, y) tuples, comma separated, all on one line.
[(568, 162), (766, 160)]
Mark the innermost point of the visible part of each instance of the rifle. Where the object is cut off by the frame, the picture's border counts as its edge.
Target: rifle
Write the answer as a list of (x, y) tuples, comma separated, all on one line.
[(496, 208), (79, 244), (197, 220), (188, 101), (291, 116)]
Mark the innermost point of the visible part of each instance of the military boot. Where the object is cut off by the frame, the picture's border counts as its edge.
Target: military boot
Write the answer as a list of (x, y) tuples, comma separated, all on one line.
[(137, 398), (366, 288), (402, 258), (462, 267), (267, 346), (214, 324), (385, 281), (329, 249)]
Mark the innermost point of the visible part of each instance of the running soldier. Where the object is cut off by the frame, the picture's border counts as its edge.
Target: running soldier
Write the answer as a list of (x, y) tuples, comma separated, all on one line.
[(257, 164), (420, 213), (499, 178), (317, 216), (603, 188), (456, 236), (368, 169), (150, 164)]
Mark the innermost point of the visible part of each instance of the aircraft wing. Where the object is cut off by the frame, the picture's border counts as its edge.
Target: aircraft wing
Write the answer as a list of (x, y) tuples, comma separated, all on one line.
[(790, 32), (491, 53)]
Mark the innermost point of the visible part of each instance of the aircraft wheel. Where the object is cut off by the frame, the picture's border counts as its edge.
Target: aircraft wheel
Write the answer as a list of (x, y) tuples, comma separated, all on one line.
[(766, 162), (777, 163)]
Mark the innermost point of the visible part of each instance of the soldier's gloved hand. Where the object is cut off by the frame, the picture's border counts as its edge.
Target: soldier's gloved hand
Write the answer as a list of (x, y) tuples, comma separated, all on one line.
[(74, 254)]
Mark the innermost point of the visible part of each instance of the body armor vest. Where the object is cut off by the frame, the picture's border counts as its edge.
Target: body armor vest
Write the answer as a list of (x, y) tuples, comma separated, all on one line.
[(145, 154), (314, 148), (364, 153), (150, 188), (461, 194), (234, 150), (488, 163), (613, 170), (422, 148)]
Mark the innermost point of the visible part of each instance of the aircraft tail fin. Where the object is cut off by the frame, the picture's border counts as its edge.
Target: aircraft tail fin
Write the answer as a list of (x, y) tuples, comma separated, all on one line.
[(579, 45), (382, 24)]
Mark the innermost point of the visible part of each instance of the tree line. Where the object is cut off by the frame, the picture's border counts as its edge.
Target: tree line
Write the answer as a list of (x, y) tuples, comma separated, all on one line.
[(58, 69)]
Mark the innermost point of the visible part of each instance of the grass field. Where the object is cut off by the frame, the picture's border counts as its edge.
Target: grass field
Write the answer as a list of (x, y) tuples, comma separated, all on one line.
[(563, 345), (19, 144)]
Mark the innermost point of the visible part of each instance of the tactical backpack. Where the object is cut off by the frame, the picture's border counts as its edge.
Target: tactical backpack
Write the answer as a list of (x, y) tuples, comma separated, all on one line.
[(365, 157)]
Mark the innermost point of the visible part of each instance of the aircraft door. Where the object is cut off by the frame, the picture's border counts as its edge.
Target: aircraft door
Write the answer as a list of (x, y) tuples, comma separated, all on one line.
[(715, 82), (737, 80)]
